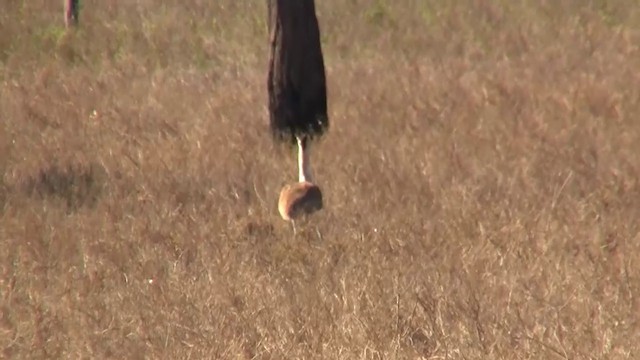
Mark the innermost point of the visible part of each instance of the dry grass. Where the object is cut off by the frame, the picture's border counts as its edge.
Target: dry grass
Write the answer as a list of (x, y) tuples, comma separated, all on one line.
[(481, 180)]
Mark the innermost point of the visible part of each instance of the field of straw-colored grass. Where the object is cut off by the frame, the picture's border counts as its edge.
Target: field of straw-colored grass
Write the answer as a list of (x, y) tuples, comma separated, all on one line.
[(481, 179)]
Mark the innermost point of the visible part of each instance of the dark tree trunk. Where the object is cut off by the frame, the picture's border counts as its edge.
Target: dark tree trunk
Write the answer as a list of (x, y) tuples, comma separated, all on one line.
[(296, 83), (71, 12)]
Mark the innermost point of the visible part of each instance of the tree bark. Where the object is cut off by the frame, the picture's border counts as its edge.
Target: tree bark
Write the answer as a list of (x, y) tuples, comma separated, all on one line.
[(296, 81)]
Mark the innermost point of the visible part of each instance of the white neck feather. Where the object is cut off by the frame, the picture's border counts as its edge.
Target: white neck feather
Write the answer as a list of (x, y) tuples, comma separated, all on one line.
[(304, 163)]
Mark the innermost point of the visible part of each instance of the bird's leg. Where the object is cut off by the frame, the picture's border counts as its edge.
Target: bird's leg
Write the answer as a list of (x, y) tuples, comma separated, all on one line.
[(304, 161), (293, 225)]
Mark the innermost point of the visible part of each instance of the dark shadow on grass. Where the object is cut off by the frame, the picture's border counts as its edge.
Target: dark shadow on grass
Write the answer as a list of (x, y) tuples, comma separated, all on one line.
[(77, 185)]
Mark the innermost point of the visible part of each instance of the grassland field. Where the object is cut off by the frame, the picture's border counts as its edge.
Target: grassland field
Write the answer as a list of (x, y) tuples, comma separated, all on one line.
[(481, 179)]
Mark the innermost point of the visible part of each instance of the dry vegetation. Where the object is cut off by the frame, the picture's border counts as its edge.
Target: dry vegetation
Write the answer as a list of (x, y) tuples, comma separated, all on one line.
[(481, 179)]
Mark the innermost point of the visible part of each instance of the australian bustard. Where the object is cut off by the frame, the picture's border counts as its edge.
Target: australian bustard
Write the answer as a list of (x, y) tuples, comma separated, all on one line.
[(297, 96)]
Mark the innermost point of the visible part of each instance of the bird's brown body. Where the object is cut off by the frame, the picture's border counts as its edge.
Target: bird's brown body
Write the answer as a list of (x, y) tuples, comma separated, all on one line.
[(296, 80), (298, 199)]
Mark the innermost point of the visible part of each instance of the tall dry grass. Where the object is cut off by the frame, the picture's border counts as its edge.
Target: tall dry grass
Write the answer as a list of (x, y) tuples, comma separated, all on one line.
[(481, 179)]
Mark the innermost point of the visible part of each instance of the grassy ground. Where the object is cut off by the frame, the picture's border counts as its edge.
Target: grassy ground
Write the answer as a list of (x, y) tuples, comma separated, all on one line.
[(481, 179)]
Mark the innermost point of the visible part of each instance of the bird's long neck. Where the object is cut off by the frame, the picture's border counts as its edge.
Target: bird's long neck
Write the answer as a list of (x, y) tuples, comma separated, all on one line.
[(304, 163)]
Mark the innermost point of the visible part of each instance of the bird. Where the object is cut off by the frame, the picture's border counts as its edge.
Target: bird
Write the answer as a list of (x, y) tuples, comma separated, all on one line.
[(297, 92), (304, 197), (71, 12)]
